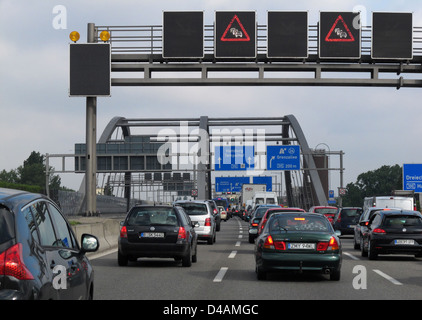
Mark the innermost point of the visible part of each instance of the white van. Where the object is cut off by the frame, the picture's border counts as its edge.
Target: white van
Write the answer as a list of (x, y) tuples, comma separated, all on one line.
[(264, 198), (405, 203)]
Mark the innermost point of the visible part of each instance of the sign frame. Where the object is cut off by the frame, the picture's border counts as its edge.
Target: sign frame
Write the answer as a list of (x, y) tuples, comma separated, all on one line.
[(223, 45), (88, 76), (181, 56), (372, 37), (286, 164), (268, 35), (323, 38)]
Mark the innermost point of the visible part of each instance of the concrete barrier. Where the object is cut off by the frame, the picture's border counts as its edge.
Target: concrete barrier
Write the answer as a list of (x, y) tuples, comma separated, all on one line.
[(106, 230)]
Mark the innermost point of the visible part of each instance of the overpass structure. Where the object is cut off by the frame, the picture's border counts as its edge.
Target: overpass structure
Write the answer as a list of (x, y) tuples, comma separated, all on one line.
[(237, 50)]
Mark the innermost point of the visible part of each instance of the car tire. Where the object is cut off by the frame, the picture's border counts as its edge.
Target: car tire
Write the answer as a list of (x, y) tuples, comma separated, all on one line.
[(195, 256), (260, 274), (187, 259), (335, 275), (372, 254), (122, 260), (362, 249), (251, 239), (356, 245)]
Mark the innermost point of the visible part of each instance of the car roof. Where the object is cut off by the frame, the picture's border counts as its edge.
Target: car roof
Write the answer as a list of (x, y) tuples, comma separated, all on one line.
[(396, 212), (13, 199), (292, 209)]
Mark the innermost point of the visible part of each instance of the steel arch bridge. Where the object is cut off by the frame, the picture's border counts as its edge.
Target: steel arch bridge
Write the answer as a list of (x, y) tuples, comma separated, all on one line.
[(188, 145)]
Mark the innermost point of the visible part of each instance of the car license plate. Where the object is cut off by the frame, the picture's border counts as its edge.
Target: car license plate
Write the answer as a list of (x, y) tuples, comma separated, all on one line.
[(152, 235), (253, 231), (405, 242), (351, 226), (301, 246)]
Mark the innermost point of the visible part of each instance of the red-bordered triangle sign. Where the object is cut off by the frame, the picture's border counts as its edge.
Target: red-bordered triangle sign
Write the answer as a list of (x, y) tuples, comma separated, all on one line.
[(339, 32), (235, 31)]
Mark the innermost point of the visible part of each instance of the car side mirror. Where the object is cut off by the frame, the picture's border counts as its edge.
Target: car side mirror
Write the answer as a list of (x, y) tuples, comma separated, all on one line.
[(89, 243)]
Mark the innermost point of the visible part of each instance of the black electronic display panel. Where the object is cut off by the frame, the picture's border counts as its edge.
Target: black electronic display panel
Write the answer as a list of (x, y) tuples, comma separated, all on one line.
[(287, 34), (90, 69), (235, 34), (392, 35), (183, 34), (339, 35)]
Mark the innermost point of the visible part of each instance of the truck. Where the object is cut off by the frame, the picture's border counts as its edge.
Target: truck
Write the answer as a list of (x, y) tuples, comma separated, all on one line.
[(264, 198), (405, 203), (249, 190)]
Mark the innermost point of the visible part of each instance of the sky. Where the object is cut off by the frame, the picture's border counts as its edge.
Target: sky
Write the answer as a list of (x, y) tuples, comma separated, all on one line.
[(372, 126)]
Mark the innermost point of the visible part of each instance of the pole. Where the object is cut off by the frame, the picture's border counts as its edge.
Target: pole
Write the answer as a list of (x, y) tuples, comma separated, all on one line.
[(91, 144)]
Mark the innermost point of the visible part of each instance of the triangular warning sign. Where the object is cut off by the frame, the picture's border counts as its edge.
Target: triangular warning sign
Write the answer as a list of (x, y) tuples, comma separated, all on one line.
[(235, 31), (339, 32)]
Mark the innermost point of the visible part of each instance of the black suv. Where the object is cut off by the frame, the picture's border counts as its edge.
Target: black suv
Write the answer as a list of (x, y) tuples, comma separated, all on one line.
[(158, 232), (40, 257)]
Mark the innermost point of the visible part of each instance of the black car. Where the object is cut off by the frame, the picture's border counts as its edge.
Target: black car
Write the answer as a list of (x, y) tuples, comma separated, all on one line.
[(256, 219), (40, 257), (393, 232), (346, 219), (157, 232)]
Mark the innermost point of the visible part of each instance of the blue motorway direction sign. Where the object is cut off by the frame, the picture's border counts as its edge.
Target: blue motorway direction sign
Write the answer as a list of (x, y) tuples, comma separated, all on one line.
[(283, 158), (234, 158), (230, 184), (412, 177), (268, 181)]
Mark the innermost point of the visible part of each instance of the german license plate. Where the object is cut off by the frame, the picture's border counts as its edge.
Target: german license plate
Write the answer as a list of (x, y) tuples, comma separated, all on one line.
[(404, 242), (152, 235), (301, 246)]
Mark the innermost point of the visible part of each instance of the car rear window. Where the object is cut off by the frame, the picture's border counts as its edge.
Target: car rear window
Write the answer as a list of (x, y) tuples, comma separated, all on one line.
[(326, 210), (152, 216), (7, 223), (402, 221), (194, 209), (298, 223), (351, 212)]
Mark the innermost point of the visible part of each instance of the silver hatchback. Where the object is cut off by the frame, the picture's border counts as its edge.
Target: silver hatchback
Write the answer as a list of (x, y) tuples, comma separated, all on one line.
[(201, 211)]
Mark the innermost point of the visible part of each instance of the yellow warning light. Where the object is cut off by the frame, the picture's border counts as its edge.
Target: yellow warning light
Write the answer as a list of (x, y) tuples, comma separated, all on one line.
[(74, 36), (105, 35)]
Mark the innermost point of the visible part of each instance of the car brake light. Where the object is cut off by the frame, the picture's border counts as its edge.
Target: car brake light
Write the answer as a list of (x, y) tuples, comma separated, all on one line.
[(379, 231), (182, 233), (208, 222), (254, 224), (11, 264), (123, 232), (271, 244), (332, 244)]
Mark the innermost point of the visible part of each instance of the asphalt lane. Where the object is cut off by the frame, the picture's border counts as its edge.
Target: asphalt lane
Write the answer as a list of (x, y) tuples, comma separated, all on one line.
[(226, 271)]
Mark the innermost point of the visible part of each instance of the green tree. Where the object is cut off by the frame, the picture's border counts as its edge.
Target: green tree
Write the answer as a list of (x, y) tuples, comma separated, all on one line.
[(379, 182)]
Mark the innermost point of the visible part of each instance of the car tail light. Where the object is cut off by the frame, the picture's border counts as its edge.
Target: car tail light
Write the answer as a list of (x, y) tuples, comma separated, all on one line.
[(271, 244), (254, 224), (182, 233), (379, 231), (208, 222), (11, 264), (123, 232), (332, 245)]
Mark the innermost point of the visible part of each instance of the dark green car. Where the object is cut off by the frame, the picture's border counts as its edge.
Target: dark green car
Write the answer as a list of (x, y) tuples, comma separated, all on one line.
[(298, 242)]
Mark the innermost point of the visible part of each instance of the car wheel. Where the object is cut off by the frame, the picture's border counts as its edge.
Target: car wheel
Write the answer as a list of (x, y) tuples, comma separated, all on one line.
[(335, 275), (251, 239), (122, 260), (356, 245), (260, 274), (195, 256), (372, 254), (362, 248), (187, 259)]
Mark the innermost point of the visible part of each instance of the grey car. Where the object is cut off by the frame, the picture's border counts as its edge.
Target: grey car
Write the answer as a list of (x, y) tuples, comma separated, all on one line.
[(201, 211)]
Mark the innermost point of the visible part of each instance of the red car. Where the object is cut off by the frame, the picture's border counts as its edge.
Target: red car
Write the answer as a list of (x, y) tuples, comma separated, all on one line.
[(275, 210), (327, 211)]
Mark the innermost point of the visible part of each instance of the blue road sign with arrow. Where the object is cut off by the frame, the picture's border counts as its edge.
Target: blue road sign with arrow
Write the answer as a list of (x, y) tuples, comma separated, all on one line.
[(283, 158), (234, 158)]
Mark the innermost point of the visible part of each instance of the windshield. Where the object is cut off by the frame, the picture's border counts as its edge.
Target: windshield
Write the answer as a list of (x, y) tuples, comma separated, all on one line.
[(298, 223), (194, 209), (152, 216)]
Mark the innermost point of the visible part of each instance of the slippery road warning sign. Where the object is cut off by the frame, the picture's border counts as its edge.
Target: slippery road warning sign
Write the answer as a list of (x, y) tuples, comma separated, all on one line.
[(235, 34), (340, 35)]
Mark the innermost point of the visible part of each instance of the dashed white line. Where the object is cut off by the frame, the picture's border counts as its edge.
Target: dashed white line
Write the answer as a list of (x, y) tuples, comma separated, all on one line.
[(351, 256), (237, 244), (232, 254), (386, 276), (220, 275)]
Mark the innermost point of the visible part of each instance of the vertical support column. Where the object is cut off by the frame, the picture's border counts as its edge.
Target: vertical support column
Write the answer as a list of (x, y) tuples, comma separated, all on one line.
[(91, 144), (203, 182)]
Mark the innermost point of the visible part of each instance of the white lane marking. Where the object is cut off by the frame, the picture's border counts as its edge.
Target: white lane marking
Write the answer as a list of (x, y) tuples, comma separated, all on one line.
[(237, 244), (232, 254), (220, 275), (386, 276), (351, 256)]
